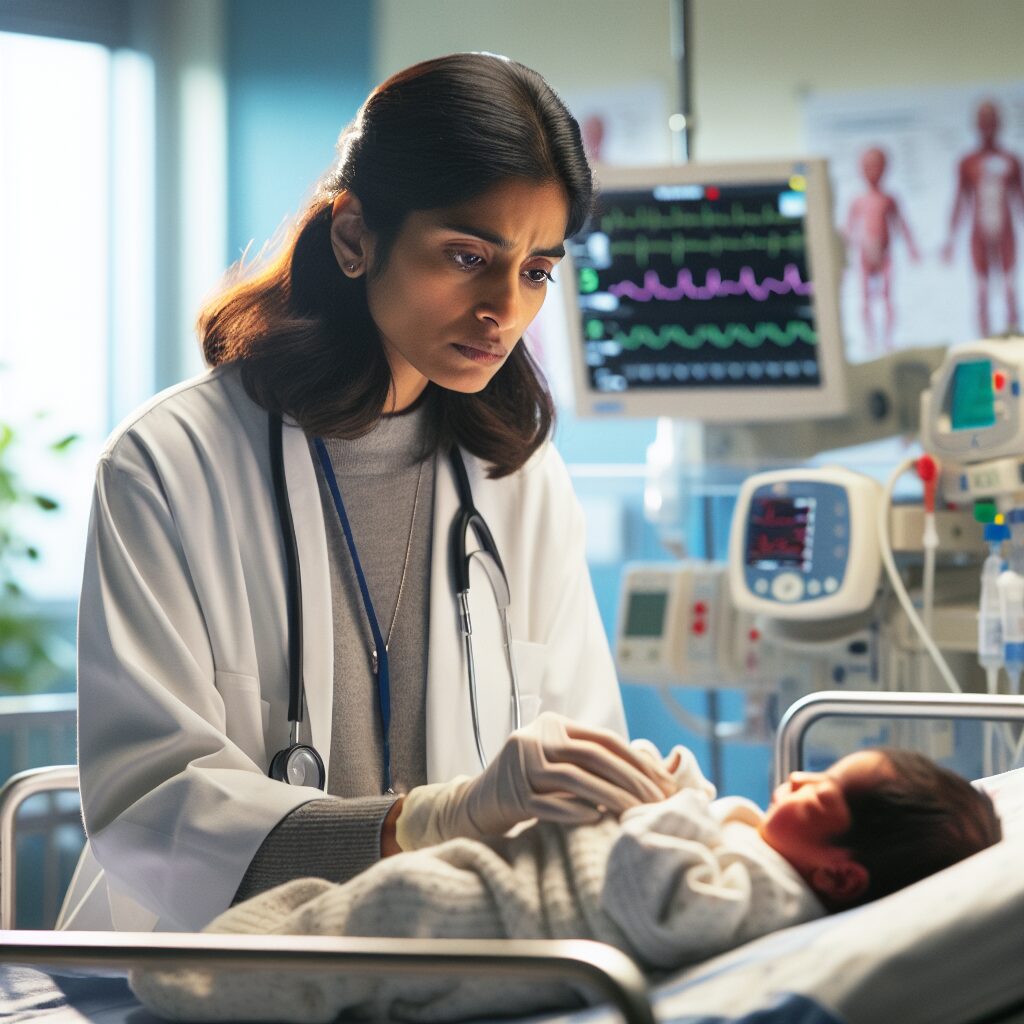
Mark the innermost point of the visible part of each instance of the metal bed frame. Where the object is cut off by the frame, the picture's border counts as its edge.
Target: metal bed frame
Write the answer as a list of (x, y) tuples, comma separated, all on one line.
[(608, 972), (603, 969), (806, 712)]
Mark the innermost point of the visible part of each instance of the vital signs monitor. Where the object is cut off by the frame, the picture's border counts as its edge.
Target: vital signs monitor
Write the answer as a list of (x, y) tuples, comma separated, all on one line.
[(972, 419), (972, 410), (708, 291)]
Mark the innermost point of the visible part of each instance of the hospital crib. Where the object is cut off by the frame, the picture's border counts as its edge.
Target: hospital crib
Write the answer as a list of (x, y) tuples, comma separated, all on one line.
[(948, 950)]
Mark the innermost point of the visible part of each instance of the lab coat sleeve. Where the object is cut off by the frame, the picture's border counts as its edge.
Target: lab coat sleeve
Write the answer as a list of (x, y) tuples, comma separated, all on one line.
[(174, 809), (580, 679)]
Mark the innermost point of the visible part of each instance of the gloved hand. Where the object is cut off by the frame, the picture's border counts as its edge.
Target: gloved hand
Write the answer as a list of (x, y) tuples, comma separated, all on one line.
[(681, 764), (554, 769)]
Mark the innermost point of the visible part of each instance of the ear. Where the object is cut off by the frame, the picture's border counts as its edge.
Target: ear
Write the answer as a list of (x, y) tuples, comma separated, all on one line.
[(840, 883), (350, 239)]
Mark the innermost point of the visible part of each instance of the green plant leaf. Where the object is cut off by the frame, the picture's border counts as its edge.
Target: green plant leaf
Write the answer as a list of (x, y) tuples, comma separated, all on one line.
[(45, 503), (64, 443)]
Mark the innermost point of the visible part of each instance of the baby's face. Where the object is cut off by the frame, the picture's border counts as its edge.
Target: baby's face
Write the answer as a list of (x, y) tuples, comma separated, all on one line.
[(809, 811)]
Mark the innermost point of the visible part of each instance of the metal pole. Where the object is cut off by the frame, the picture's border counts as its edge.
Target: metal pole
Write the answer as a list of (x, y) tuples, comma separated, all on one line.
[(682, 121)]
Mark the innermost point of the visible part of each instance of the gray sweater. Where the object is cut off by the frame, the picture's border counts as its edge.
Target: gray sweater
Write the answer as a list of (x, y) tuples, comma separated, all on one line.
[(339, 836)]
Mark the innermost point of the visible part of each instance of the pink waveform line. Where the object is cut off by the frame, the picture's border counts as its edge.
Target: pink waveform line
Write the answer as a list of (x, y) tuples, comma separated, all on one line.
[(714, 287)]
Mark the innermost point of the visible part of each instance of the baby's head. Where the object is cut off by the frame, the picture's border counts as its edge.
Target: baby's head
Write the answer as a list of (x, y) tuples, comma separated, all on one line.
[(876, 821)]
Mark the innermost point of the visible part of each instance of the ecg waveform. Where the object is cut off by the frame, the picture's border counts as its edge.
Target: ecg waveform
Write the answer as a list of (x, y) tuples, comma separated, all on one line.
[(679, 246), (722, 337), (714, 287), (708, 215)]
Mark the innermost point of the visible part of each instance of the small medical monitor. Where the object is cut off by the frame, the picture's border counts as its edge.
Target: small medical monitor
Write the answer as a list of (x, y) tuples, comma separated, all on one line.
[(708, 292)]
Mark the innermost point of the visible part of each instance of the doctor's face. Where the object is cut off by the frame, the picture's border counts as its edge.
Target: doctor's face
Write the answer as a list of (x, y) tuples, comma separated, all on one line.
[(463, 282)]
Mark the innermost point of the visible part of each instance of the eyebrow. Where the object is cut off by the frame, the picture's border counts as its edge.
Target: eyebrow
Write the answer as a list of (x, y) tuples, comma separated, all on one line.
[(554, 252)]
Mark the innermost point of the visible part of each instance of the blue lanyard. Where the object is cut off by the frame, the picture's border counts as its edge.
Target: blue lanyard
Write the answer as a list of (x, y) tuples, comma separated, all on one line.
[(380, 654)]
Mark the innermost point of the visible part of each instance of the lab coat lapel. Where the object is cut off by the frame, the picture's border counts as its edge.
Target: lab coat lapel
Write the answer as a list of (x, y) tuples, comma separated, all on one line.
[(317, 613)]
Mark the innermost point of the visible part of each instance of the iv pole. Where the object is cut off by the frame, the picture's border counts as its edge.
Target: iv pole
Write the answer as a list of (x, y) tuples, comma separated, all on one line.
[(682, 123)]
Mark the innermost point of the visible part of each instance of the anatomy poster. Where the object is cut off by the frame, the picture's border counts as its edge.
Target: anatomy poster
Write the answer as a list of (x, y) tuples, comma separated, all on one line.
[(930, 207)]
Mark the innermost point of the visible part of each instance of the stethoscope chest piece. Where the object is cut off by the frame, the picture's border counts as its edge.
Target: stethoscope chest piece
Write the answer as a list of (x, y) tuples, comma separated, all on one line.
[(298, 765)]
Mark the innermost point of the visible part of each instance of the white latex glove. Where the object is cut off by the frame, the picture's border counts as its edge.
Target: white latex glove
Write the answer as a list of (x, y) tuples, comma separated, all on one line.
[(680, 764), (554, 769)]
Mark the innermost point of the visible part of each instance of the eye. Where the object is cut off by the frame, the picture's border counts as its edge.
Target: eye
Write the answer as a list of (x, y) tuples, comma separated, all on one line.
[(465, 260), (538, 276)]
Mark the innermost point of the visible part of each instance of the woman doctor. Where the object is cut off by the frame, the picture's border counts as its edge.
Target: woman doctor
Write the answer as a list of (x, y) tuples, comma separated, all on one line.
[(385, 334)]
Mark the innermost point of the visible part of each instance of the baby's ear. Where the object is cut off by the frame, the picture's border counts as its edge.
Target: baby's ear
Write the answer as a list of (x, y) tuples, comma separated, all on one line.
[(840, 883)]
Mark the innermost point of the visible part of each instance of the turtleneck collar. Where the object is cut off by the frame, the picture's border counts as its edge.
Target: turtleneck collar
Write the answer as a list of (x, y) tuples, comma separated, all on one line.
[(397, 442)]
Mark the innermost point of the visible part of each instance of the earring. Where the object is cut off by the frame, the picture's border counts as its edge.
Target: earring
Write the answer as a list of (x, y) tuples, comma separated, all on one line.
[(352, 268)]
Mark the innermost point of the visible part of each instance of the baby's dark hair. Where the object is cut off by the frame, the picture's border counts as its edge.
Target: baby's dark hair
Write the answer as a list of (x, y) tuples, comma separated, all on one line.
[(918, 821)]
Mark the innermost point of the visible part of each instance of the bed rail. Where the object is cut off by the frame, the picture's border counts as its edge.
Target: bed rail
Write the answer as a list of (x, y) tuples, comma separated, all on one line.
[(15, 791), (605, 970), (798, 719)]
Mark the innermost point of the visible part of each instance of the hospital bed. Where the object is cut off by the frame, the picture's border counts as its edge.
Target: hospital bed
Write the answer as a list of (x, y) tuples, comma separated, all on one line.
[(947, 950)]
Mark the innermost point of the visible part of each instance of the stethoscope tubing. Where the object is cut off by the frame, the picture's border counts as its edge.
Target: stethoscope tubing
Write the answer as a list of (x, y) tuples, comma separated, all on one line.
[(466, 519)]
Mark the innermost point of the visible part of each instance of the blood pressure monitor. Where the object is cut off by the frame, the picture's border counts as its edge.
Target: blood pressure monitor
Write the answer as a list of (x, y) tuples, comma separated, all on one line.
[(804, 543)]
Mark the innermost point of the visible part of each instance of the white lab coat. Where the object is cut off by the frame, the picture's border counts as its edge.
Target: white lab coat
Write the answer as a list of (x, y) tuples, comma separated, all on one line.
[(183, 681)]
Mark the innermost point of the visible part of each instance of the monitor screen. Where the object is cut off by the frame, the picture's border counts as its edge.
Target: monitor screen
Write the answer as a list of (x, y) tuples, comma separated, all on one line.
[(972, 399), (780, 533), (645, 615), (708, 292)]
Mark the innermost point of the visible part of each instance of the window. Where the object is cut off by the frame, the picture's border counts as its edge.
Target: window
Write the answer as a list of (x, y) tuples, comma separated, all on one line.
[(76, 277)]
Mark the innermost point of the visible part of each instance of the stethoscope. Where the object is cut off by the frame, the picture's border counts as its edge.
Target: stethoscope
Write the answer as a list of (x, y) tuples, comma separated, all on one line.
[(299, 764)]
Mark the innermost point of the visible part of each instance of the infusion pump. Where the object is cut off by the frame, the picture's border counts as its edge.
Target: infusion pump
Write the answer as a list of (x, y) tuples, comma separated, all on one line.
[(672, 624)]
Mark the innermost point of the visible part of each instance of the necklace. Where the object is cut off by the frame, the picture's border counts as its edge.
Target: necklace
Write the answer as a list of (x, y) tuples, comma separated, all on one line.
[(374, 661)]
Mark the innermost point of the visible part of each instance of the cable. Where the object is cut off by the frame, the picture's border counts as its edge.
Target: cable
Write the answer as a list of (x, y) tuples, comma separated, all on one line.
[(898, 586)]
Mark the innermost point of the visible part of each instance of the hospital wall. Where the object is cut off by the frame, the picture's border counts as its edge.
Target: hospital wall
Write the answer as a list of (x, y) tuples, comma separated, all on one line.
[(753, 61)]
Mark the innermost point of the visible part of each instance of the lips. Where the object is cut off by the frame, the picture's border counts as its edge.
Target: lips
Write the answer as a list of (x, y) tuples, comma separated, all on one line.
[(480, 354)]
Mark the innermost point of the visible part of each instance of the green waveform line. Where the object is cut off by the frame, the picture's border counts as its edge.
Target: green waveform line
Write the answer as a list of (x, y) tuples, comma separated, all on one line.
[(678, 247), (720, 337), (654, 218)]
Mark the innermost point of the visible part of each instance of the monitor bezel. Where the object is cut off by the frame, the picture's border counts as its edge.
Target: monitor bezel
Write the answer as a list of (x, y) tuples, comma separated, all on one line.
[(731, 404)]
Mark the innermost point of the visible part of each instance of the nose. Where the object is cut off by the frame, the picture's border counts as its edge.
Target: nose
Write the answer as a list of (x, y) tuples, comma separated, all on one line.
[(499, 301), (798, 780)]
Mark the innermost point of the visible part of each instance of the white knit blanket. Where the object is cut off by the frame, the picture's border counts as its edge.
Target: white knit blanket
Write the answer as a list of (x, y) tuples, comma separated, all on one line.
[(670, 884)]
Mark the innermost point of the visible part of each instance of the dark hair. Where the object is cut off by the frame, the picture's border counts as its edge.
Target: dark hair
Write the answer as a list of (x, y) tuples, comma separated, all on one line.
[(921, 819), (440, 132)]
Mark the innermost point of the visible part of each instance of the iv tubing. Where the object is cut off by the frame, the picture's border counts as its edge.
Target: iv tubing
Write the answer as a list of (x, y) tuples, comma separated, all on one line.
[(899, 589)]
